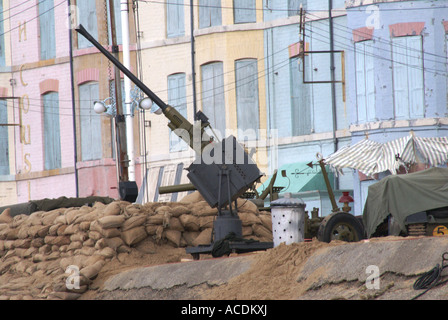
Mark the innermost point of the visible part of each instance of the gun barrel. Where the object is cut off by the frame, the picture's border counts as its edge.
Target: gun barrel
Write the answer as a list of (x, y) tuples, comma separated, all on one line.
[(80, 29)]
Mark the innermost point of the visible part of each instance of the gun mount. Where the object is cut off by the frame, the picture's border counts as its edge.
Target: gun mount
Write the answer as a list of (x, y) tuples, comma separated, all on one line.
[(221, 172)]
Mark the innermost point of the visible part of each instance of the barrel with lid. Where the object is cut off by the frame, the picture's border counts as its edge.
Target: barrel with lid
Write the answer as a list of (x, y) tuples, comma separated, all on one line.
[(288, 220)]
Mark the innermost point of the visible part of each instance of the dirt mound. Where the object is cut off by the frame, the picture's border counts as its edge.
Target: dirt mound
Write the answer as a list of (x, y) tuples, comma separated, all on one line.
[(273, 275)]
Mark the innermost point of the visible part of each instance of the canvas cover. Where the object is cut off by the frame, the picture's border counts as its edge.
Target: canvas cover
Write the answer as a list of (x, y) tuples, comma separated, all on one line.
[(403, 195)]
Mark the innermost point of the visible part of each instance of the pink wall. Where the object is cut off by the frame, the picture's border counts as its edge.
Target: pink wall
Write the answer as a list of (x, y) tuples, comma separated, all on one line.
[(33, 78)]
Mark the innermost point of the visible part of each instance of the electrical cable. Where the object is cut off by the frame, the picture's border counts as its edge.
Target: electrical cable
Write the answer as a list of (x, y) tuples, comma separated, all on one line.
[(349, 31), (360, 9), (431, 278)]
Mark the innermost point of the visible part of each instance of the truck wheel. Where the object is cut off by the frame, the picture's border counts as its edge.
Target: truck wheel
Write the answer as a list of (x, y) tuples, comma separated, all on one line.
[(340, 226)]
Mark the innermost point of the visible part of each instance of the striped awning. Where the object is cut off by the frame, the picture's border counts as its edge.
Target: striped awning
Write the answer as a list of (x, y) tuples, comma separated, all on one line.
[(370, 157)]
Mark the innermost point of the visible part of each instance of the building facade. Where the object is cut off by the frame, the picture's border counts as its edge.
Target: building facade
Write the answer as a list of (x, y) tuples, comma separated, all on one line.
[(53, 144), (396, 73), (36, 61), (373, 69)]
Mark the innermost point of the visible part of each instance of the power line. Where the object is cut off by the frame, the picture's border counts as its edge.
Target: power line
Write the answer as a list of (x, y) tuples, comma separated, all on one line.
[(34, 18), (15, 14), (360, 8), (345, 46), (350, 31)]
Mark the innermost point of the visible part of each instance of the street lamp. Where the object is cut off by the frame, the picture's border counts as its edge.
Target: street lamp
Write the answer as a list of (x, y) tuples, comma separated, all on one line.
[(101, 107)]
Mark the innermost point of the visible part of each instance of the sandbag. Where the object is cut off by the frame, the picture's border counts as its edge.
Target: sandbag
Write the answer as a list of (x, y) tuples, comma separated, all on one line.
[(113, 243), (71, 229), (173, 236), (190, 222), (266, 221), (192, 197), (203, 238), (112, 209), (111, 233), (5, 216), (246, 205), (134, 235), (34, 219), (249, 218), (95, 235), (203, 209), (53, 230), (261, 231), (151, 229), (70, 214), (132, 222), (206, 222), (189, 236), (114, 221), (49, 217), (60, 220), (38, 231), (247, 231), (156, 219), (84, 225), (90, 272), (175, 224), (179, 210), (106, 252), (132, 210)]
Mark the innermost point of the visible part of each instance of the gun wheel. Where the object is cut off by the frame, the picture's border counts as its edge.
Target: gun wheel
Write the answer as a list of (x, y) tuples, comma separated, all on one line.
[(340, 226)]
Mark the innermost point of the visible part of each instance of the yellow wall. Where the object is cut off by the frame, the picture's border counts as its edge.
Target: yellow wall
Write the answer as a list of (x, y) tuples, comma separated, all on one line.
[(163, 56)]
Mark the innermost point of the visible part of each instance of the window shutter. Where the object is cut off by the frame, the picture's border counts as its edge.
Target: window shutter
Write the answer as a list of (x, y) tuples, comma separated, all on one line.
[(52, 140), (247, 95), (369, 80), (300, 109), (47, 30), (177, 99), (244, 11), (209, 13), (117, 16), (360, 82), (415, 77), (294, 7), (87, 17), (401, 101), (213, 103), (91, 148), (2, 37), (4, 142), (175, 18)]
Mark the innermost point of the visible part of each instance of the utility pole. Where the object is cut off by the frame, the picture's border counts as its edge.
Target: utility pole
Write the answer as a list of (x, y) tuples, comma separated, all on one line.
[(129, 117), (124, 129), (120, 130), (193, 67)]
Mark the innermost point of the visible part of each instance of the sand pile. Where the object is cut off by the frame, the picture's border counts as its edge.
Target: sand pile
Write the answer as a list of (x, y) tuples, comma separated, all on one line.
[(273, 275), (41, 253)]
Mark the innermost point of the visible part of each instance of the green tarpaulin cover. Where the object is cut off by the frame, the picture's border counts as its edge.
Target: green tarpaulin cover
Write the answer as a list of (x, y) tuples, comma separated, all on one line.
[(403, 195)]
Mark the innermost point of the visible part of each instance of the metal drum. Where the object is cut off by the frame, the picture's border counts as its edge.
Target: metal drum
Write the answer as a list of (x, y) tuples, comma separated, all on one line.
[(288, 220)]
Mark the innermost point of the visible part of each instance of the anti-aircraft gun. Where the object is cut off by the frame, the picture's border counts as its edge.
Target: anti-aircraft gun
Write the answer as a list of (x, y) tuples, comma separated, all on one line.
[(221, 172)]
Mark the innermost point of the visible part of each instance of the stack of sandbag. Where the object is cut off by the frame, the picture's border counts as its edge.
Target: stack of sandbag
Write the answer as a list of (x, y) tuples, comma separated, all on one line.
[(51, 245), (190, 221), (85, 237)]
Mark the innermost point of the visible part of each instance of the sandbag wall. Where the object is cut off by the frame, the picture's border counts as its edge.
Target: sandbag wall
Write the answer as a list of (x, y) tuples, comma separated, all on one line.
[(46, 243)]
